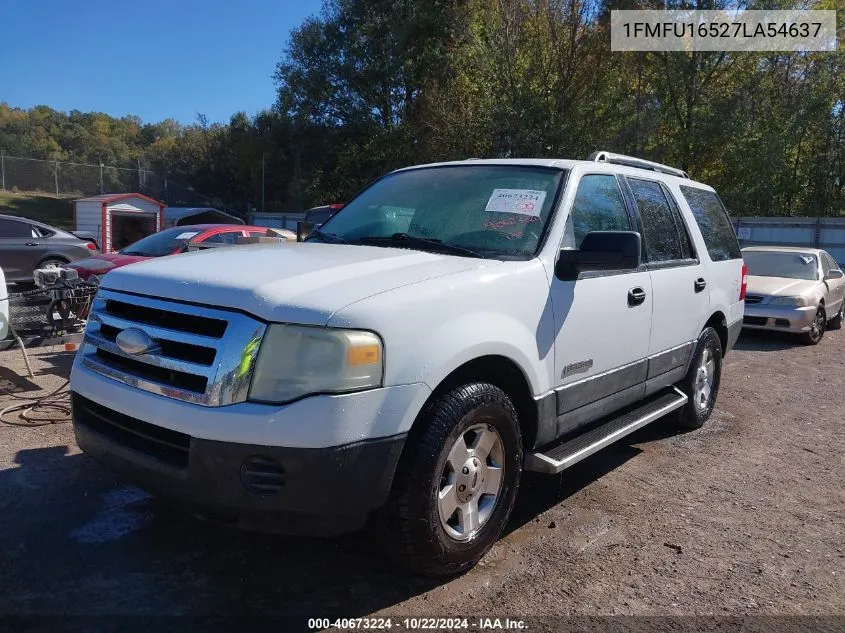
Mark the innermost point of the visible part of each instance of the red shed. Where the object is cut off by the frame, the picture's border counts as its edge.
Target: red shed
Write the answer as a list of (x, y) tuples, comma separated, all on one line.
[(118, 219)]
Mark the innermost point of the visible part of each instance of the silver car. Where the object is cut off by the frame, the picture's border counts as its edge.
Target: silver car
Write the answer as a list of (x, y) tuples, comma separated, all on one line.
[(798, 290)]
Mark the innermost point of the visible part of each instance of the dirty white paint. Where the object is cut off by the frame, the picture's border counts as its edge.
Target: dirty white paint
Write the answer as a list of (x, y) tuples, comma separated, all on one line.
[(122, 513)]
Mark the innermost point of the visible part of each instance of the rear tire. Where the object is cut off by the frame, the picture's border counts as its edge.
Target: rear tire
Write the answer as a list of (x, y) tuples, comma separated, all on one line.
[(701, 384), (814, 336), (470, 441), (836, 322)]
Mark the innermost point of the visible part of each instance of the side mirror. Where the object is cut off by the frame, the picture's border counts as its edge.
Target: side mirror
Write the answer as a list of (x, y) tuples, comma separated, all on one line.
[(303, 230), (601, 250), (833, 273)]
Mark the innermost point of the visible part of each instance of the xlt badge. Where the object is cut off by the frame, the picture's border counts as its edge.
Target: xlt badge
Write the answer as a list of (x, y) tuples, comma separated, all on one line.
[(574, 368)]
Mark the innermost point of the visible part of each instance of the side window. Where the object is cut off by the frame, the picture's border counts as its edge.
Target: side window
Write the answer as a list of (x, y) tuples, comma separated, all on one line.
[(686, 242), (598, 206), (712, 218), (833, 264), (257, 233), (231, 237), (825, 264), (661, 235), (15, 229)]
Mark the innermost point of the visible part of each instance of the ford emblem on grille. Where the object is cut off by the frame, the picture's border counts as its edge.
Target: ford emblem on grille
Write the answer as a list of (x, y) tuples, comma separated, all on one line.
[(134, 341)]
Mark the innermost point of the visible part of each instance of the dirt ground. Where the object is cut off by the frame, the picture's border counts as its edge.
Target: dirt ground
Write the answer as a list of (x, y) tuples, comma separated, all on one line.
[(744, 517)]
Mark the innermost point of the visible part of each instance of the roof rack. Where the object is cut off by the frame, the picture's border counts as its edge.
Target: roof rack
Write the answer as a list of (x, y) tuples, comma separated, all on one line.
[(632, 161)]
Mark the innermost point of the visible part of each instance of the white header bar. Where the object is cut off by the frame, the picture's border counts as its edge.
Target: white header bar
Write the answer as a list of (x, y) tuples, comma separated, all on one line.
[(766, 31)]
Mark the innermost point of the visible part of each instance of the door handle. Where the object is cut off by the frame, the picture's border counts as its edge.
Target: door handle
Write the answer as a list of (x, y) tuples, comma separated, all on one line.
[(636, 296), (700, 284), (31, 244)]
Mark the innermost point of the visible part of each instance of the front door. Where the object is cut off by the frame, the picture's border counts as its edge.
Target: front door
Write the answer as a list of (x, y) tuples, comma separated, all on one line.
[(20, 251), (602, 319)]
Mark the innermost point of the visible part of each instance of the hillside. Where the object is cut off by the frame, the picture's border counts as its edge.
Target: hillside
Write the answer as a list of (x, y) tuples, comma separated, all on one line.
[(43, 207)]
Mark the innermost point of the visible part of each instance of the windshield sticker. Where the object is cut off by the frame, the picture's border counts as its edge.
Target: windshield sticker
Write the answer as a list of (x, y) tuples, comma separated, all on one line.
[(519, 201), (187, 235), (807, 259)]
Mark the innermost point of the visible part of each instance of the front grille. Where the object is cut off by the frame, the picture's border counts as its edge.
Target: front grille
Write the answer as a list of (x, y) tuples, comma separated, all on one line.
[(178, 321), (754, 320), (751, 299), (197, 354), (167, 446)]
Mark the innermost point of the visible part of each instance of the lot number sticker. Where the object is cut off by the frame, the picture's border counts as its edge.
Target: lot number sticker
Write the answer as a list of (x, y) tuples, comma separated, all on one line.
[(519, 201)]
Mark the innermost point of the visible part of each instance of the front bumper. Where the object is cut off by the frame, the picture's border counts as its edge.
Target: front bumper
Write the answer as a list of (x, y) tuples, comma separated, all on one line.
[(305, 491), (780, 318)]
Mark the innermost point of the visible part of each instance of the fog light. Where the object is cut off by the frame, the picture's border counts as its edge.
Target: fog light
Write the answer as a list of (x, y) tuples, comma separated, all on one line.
[(262, 475)]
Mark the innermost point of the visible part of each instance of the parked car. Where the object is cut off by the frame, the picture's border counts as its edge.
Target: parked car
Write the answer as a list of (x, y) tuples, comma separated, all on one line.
[(167, 242), (453, 325), (791, 289), (317, 217), (26, 245)]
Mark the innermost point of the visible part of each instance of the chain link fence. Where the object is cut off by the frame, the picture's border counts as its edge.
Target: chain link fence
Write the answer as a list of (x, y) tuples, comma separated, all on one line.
[(65, 178)]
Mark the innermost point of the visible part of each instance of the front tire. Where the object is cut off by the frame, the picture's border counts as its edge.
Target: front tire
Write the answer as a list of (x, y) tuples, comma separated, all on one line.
[(701, 384), (456, 483), (814, 336)]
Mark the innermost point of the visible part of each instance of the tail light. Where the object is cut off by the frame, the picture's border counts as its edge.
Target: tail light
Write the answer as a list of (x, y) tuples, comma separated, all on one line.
[(91, 246), (744, 285)]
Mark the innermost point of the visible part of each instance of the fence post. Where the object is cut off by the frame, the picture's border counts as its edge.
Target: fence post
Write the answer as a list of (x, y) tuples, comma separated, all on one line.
[(3, 166), (56, 176)]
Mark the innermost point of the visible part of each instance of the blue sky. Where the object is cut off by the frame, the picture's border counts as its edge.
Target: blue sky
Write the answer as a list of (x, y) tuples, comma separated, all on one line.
[(156, 59)]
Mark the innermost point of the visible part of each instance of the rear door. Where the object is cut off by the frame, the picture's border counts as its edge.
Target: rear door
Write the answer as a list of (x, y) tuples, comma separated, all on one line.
[(20, 250), (678, 281)]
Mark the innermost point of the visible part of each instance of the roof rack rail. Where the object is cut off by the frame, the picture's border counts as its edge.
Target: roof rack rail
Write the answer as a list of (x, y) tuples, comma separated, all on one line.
[(632, 161)]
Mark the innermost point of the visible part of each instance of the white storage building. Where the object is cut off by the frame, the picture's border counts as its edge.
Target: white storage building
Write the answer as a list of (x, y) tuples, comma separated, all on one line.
[(118, 219)]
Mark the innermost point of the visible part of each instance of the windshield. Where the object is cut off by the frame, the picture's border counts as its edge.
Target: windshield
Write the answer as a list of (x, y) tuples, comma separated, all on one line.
[(488, 210), (775, 264), (161, 243)]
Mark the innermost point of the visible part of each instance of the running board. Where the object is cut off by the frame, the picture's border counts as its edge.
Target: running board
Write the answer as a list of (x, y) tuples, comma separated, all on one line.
[(573, 451)]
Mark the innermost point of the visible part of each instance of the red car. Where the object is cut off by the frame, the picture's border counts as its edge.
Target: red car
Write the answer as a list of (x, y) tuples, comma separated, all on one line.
[(167, 242)]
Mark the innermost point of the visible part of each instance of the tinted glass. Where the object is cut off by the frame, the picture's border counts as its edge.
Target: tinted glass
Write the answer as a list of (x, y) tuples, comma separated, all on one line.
[(230, 237), (716, 228), (162, 243), (494, 210), (686, 244), (13, 228), (780, 264), (318, 216), (598, 206), (662, 239), (258, 233)]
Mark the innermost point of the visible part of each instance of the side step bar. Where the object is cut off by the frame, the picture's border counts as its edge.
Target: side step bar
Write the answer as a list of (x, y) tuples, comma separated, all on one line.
[(573, 451)]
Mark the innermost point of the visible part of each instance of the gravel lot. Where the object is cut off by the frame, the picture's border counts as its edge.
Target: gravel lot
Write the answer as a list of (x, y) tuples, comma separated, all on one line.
[(742, 517)]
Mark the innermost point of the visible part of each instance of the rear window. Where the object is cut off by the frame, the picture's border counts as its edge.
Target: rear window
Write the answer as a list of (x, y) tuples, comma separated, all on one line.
[(716, 228)]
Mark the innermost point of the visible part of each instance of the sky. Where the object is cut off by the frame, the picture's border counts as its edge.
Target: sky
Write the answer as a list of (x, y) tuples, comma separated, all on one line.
[(156, 59)]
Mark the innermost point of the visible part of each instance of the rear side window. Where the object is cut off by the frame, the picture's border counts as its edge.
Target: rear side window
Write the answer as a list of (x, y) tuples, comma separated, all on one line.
[(230, 237), (662, 238), (716, 228), (13, 228), (598, 206)]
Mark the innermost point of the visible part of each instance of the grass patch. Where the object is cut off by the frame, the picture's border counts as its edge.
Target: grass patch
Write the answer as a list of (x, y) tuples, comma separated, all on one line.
[(42, 207)]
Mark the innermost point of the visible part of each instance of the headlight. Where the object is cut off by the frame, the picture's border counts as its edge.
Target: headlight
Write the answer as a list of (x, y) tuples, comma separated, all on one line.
[(296, 361), (789, 301)]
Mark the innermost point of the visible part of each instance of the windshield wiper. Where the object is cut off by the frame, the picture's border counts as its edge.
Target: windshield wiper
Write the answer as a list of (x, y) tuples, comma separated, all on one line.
[(403, 239), (329, 237)]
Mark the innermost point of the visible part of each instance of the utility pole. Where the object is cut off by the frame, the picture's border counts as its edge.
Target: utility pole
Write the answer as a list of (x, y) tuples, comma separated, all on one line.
[(56, 177), (3, 166), (101, 178), (263, 154), (139, 174)]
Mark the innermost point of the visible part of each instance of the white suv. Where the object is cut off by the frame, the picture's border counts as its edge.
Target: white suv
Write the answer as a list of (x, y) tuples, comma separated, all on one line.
[(453, 325)]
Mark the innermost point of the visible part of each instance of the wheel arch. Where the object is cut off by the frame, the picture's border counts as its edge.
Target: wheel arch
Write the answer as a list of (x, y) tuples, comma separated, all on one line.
[(500, 371), (719, 323)]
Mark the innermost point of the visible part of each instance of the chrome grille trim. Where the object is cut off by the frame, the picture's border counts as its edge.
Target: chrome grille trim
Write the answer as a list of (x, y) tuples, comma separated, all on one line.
[(228, 377)]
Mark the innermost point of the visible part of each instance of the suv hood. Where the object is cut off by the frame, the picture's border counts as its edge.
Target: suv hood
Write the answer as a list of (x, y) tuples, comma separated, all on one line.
[(295, 282), (779, 286)]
